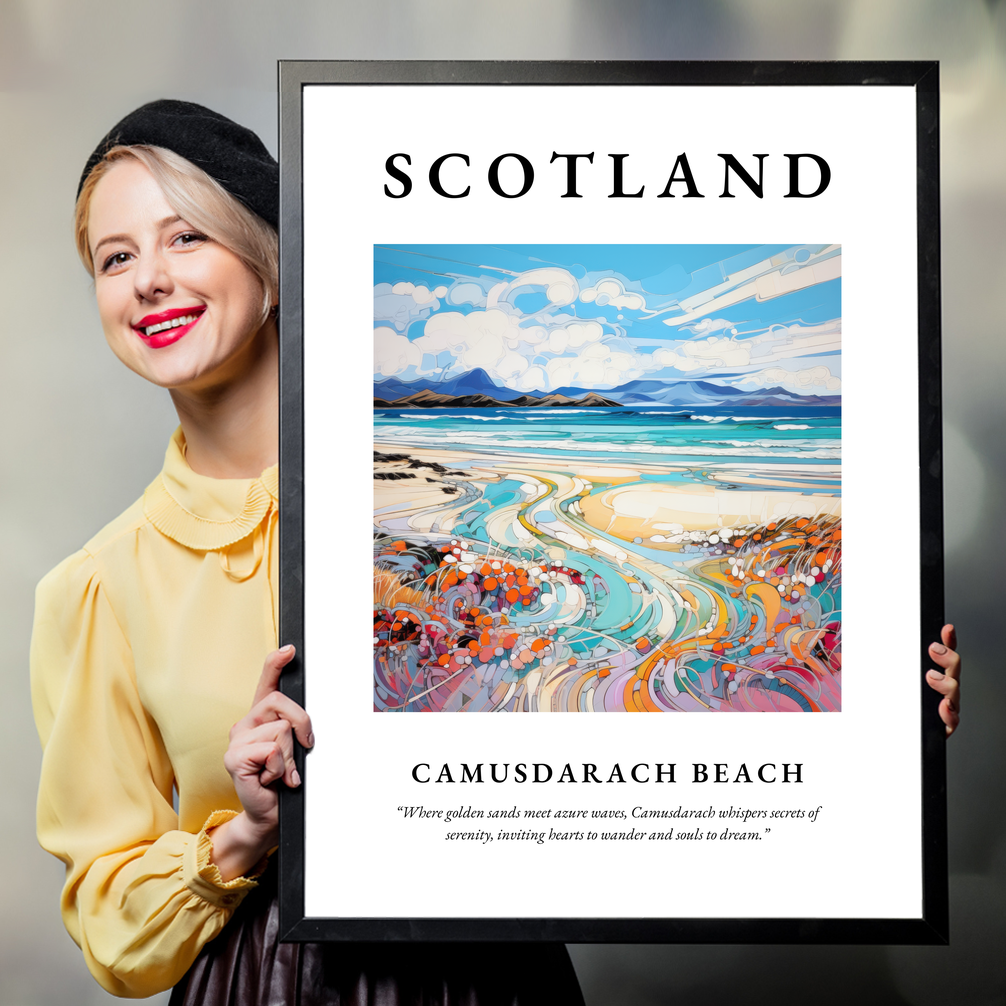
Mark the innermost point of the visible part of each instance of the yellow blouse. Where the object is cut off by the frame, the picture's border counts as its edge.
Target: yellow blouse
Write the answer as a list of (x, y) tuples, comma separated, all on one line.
[(147, 647)]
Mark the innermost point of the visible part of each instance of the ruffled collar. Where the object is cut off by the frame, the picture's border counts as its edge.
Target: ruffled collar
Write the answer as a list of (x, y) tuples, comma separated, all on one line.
[(203, 513)]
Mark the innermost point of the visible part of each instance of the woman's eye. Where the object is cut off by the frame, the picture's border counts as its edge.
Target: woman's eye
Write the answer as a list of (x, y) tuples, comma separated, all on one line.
[(190, 238), (114, 261)]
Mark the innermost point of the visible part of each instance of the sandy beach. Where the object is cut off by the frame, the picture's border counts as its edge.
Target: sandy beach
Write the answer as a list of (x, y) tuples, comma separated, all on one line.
[(423, 487), (533, 583)]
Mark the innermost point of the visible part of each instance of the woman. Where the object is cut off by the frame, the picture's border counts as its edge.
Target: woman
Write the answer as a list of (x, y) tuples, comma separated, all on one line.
[(148, 643)]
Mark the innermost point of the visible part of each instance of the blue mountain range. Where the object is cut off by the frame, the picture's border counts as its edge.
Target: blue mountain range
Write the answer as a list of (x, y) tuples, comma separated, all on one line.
[(686, 394)]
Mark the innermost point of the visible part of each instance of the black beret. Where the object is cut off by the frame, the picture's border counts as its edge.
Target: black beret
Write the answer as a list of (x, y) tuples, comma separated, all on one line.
[(230, 154)]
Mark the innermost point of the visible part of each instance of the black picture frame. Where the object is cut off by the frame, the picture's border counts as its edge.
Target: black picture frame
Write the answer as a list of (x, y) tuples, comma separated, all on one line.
[(933, 925)]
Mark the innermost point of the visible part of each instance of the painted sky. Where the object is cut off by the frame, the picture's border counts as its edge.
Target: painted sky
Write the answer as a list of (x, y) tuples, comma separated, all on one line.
[(542, 317)]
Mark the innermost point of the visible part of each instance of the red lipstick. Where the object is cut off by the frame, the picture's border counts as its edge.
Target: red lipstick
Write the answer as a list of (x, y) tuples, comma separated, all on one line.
[(166, 328)]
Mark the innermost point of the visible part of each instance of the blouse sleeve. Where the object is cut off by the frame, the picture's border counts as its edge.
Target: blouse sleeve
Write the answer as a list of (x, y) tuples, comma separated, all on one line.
[(141, 898)]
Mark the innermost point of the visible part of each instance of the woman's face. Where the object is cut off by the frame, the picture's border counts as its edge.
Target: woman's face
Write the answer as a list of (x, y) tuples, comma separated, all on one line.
[(177, 308)]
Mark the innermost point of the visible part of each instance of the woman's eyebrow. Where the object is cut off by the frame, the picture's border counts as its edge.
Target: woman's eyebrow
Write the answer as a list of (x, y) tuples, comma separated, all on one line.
[(160, 225), (109, 240)]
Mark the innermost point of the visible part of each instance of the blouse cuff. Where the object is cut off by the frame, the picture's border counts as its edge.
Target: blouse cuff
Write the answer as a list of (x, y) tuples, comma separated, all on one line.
[(202, 876)]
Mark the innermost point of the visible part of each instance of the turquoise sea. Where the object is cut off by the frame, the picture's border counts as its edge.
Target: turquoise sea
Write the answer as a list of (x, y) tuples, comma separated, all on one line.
[(707, 443)]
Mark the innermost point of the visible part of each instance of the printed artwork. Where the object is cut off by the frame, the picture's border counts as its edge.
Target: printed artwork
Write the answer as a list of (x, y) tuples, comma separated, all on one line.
[(607, 478)]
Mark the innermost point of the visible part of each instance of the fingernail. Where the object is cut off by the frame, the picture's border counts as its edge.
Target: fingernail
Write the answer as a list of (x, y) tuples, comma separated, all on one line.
[(938, 648), (310, 740), (287, 649), (295, 777), (937, 675)]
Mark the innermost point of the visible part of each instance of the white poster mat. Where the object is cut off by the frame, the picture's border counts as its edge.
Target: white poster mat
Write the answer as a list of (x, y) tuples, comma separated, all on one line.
[(861, 857)]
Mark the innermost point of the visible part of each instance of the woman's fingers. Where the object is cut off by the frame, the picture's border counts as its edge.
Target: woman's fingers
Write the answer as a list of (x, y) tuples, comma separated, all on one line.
[(274, 766), (949, 660), (949, 636), (261, 749), (947, 680), (261, 743), (277, 706), (270, 703), (949, 708), (261, 761), (949, 688), (271, 670), (279, 736), (950, 716)]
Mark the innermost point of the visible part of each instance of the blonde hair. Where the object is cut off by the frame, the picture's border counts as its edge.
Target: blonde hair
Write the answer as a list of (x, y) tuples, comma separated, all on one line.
[(199, 200)]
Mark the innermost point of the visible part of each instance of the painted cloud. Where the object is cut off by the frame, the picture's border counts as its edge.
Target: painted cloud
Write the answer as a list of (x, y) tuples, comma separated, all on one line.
[(749, 317)]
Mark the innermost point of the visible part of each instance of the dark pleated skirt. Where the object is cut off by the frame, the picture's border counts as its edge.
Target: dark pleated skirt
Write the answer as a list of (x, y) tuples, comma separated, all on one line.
[(246, 965)]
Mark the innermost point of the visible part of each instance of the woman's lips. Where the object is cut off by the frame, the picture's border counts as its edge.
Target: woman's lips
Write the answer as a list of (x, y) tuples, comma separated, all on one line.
[(166, 327)]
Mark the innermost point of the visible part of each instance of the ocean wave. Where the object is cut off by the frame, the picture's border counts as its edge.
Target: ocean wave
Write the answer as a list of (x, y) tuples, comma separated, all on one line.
[(756, 443), (794, 426), (723, 419), (488, 441)]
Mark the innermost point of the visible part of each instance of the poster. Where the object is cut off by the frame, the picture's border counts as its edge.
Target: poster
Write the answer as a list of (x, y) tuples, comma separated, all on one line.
[(630, 358)]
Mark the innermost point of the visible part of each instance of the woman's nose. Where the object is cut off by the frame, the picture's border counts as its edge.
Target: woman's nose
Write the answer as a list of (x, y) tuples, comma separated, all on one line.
[(152, 277)]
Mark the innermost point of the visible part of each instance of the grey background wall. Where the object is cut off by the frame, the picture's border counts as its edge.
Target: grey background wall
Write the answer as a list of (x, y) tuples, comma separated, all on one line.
[(81, 436)]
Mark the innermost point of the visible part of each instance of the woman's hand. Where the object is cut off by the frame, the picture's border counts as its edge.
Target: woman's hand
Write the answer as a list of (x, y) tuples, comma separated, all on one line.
[(260, 753), (947, 682)]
